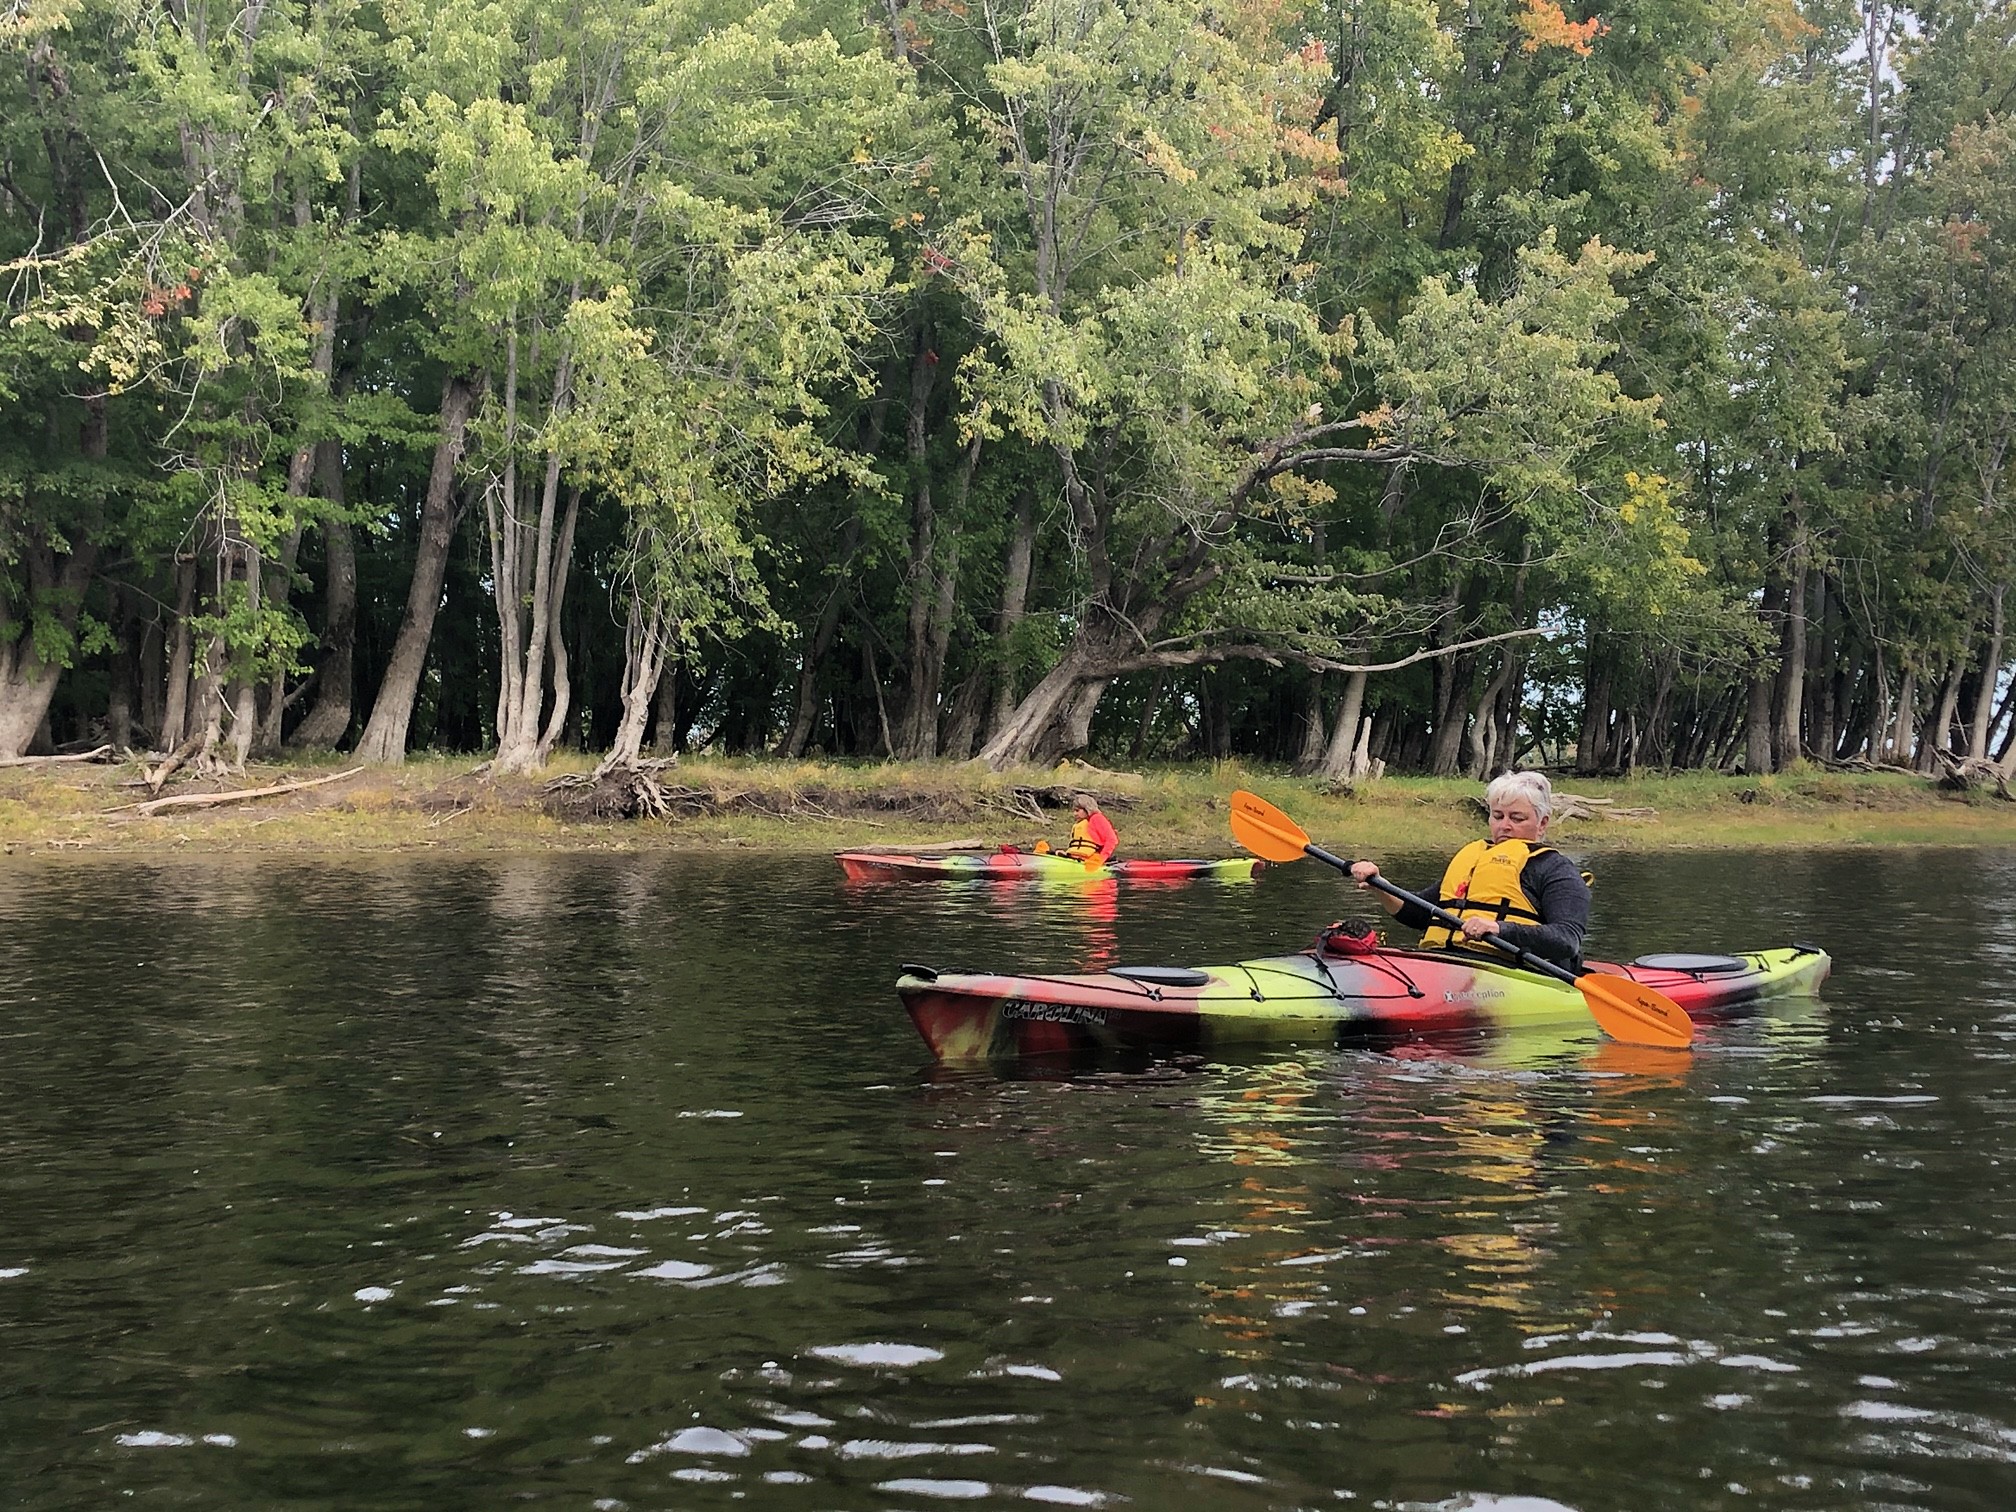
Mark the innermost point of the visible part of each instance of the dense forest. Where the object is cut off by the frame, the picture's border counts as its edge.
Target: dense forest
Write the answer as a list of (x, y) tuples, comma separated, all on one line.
[(1441, 383)]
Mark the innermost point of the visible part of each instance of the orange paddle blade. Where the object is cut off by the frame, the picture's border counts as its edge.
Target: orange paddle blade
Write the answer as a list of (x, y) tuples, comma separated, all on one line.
[(1265, 830), (1632, 1012)]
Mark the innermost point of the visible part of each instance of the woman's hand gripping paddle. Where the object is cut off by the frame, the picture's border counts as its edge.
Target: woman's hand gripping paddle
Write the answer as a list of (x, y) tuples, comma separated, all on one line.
[(1625, 1010)]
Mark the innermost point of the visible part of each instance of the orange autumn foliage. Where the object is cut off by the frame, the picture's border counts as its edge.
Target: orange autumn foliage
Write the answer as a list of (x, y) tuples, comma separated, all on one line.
[(1545, 25)]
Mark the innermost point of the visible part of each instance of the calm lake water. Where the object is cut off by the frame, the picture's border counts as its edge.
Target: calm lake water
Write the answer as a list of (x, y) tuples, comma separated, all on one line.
[(623, 1182)]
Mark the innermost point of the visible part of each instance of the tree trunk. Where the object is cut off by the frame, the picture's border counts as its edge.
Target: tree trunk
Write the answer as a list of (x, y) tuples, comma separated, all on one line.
[(244, 720), (27, 683), (665, 730), (1872, 725), (883, 741), (961, 730), (123, 681), (384, 737), (181, 658), (238, 562), (818, 642), (1453, 676), (1757, 726), (1446, 748), (279, 586), (927, 663), (1757, 756), (1828, 678), (1337, 765), (1310, 756), (269, 704), (1791, 691), (1659, 719), (917, 728), (1052, 719), (1511, 706), (1735, 729), (1484, 721), (1937, 735), (1897, 744), (55, 594), (529, 580), (153, 679), (556, 643), (1217, 705), (329, 720), (1592, 746), (1073, 730), (1014, 604), (1151, 705), (1991, 672), (644, 644)]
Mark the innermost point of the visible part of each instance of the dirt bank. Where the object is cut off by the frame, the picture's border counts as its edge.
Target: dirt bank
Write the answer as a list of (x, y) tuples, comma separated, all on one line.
[(438, 803)]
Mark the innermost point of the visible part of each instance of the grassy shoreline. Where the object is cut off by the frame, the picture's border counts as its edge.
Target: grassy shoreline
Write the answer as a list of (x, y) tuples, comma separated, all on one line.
[(437, 804)]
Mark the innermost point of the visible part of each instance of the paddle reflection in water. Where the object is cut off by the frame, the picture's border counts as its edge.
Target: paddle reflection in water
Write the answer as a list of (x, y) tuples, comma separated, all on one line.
[(1507, 1135)]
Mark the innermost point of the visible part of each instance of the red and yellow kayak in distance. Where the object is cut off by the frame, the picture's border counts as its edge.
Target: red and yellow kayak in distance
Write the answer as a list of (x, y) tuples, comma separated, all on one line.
[(1374, 998), (1031, 866)]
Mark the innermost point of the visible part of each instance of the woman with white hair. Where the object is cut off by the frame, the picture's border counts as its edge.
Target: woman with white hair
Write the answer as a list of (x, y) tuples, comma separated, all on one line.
[(1513, 885)]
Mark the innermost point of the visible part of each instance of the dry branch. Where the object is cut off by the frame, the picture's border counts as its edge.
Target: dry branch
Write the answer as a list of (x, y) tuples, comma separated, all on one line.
[(101, 753), (172, 762), (1580, 806), (245, 795)]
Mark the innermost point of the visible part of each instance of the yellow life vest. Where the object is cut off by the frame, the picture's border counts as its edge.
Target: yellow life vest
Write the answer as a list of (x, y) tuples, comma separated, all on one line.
[(1483, 883), (1084, 846)]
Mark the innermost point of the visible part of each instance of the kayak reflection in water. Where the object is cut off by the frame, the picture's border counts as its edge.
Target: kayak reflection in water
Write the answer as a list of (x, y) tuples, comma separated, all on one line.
[(1513, 885), (1093, 840)]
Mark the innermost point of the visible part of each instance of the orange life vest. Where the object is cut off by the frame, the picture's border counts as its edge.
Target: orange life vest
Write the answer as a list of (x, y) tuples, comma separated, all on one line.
[(1089, 844)]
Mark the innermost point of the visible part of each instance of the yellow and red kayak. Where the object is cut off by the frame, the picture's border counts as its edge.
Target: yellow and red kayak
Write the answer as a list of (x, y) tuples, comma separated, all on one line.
[(1376, 997), (1011, 865)]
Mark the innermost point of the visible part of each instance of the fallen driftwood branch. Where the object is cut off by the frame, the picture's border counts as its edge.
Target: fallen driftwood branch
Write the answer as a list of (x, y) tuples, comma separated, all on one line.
[(1086, 773), (1961, 774), (100, 753), (1581, 806), (244, 795), (158, 776), (1017, 803), (1864, 764), (1577, 806), (453, 813)]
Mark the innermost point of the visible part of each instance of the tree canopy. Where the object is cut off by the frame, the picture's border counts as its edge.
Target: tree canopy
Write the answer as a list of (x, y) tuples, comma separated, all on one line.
[(1452, 386)]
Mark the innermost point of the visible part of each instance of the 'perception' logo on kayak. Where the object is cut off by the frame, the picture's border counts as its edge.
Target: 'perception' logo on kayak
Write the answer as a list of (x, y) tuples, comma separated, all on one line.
[(1054, 1013), (1472, 995)]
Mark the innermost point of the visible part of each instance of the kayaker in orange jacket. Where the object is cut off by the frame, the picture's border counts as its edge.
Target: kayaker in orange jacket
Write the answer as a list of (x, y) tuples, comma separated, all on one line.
[(1092, 834), (1513, 885)]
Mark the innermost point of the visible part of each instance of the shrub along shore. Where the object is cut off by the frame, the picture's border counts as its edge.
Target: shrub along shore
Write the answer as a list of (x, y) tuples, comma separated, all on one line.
[(443, 804)]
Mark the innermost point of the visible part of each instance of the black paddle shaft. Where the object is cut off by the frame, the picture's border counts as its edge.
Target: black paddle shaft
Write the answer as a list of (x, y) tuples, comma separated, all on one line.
[(1441, 915)]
